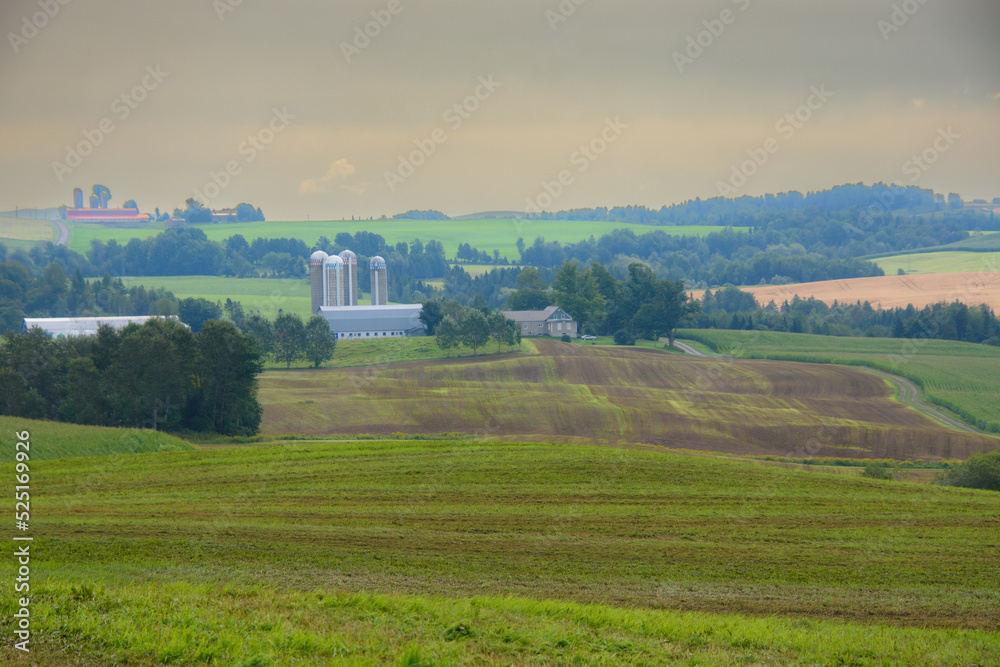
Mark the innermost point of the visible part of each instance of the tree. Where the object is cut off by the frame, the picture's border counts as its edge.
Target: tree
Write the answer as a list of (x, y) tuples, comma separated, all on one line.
[(475, 329), (659, 304), (501, 329), (532, 293), (261, 330), (194, 312), (289, 338), (578, 294), (431, 316), (131, 204), (448, 334), (227, 366), (319, 342), (954, 200)]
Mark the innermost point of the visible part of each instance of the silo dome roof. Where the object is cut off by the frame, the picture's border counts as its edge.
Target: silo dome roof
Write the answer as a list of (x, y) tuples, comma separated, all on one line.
[(377, 262), (349, 257), (334, 260), (318, 257)]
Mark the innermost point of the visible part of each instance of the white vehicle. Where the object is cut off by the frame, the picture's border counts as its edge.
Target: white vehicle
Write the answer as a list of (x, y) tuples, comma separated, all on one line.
[(588, 337)]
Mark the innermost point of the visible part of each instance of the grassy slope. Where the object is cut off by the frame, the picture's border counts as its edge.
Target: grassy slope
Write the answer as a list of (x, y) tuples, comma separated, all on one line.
[(27, 229), (605, 393), (265, 295), (209, 554), (963, 375), (483, 234), (52, 440)]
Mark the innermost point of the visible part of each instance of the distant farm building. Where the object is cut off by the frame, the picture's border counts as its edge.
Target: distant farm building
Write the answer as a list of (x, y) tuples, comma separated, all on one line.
[(354, 322), (64, 327), (99, 213), (553, 321)]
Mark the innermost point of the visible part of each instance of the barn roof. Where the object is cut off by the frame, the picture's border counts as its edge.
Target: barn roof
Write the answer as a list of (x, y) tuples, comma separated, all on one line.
[(61, 327), (531, 315), (348, 319)]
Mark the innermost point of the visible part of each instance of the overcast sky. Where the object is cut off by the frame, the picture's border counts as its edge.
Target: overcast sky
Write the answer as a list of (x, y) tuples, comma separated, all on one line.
[(336, 119)]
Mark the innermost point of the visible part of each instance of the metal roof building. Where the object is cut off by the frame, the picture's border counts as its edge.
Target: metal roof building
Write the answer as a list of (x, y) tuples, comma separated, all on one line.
[(62, 327), (352, 322)]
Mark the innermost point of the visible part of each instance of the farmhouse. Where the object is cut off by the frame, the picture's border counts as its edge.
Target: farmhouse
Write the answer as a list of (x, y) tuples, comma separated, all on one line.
[(353, 322), (63, 327), (553, 321)]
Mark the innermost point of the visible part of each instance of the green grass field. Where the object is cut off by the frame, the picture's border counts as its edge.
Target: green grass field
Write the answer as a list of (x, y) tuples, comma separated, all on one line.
[(960, 376), (265, 295), (495, 554), (486, 235), (53, 440), (27, 229), (941, 262)]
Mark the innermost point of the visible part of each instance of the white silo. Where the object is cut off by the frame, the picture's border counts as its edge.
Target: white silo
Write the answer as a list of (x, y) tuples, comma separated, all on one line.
[(380, 286), (333, 281), (316, 279), (351, 275)]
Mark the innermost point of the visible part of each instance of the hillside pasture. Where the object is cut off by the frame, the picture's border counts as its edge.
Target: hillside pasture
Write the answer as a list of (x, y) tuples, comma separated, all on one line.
[(611, 394), (54, 440), (359, 551), (27, 229), (972, 288), (941, 262), (265, 295), (959, 376), (485, 235)]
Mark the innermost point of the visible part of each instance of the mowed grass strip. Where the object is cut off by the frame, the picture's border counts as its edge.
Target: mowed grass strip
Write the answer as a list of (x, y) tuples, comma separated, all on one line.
[(176, 623), (625, 527), (605, 393), (965, 376), (54, 440)]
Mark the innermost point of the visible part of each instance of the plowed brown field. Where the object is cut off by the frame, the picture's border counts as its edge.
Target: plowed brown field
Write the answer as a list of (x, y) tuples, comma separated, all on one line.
[(890, 291), (570, 392)]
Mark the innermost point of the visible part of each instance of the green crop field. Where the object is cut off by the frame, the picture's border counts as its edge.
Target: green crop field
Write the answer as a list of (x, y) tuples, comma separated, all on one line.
[(962, 377), (486, 235), (265, 295), (497, 553), (941, 262), (595, 393), (53, 440), (27, 229)]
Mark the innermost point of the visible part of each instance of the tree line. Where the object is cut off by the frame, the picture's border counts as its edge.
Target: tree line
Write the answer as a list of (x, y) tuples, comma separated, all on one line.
[(287, 339), (157, 375)]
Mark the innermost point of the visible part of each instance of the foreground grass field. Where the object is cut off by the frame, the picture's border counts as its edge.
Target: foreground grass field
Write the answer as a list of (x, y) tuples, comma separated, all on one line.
[(962, 377), (574, 392), (486, 235), (53, 440), (319, 553)]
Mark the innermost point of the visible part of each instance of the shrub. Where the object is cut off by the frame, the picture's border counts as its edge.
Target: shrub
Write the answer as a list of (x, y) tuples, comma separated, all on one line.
[(877, 470), (623, 337), (565, 338), (980, 471)]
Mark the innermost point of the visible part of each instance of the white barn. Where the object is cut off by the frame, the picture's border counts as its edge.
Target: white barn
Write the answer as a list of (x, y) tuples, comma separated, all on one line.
[(63, 327), (354, 322)]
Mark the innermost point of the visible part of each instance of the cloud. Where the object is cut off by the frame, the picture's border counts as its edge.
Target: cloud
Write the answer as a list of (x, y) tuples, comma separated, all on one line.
[(918, 103), (338, 171)]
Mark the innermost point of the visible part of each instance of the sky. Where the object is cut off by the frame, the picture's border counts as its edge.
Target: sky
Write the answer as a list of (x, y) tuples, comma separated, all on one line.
[(328, 110)]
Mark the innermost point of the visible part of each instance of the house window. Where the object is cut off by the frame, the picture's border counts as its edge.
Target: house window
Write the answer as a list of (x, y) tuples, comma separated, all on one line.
[(560, 326)]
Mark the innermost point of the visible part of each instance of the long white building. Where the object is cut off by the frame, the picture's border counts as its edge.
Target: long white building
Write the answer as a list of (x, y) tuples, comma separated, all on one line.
[(356, 322)]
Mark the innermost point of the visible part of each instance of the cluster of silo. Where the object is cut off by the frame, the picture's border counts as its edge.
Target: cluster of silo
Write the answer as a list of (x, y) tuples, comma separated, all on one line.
[(334, 280)]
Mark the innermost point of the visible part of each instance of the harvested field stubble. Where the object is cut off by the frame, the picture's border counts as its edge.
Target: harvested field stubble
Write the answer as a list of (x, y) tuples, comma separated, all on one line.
[(617, 394)]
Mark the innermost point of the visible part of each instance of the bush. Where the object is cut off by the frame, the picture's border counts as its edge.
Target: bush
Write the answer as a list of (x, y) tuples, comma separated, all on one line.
[(980, 471), (565, 338), (877, 470), (623, 337)]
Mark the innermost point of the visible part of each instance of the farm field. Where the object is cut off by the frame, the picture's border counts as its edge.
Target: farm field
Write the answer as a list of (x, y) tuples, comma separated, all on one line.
[(27, 229), (891, 291), (53, 440), (960, 376), (583, 393), (941, 262), (509, 553), (265, 295), (486, 235)]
